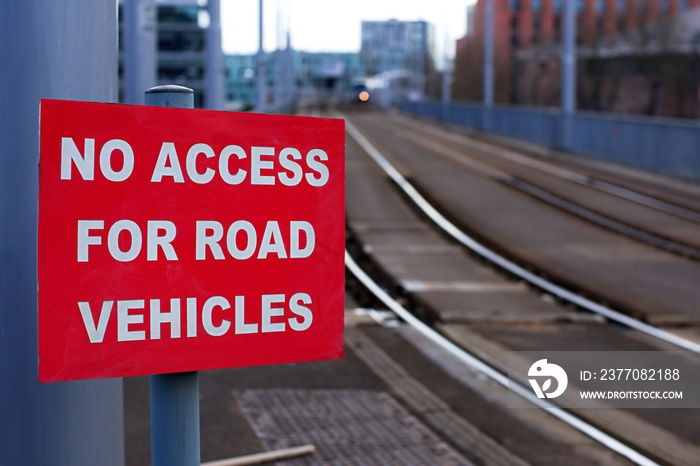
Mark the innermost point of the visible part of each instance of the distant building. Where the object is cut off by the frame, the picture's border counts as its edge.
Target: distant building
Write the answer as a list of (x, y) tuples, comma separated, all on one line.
[(390, 47), (395, 56), (314, 77), (180, 45), (527, 40), (395, 60)]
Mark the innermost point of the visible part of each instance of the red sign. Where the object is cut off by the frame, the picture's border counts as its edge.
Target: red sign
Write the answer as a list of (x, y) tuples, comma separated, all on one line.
[(176, 240)]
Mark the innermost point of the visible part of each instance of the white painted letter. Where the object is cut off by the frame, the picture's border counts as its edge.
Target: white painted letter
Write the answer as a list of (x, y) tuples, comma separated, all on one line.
[(295, 251), (84, 238), (252, 238), (124, 319), (191, 317), (257, 165), (223, 164), (96, 333), (318, 167), (167, 154), (211, 329), (268, 312), (106, 160), (267, 245), (241, 326), (191, 163), (153, 241), (290, 165), (301, 311), (84, 164), (202, 240), (113, 240), (158, 318)]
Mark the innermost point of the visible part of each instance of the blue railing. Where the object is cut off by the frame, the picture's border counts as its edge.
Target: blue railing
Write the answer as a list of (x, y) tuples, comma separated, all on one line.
[(661, 145)]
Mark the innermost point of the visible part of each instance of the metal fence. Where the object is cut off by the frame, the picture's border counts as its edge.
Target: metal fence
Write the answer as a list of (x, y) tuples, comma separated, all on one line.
[(661, 145)]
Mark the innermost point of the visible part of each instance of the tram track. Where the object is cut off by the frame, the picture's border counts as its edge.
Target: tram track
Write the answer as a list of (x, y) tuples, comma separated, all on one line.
[(674, 207), (651, 235), (639, 455), (606, 267), (497, 375), (511, 267)]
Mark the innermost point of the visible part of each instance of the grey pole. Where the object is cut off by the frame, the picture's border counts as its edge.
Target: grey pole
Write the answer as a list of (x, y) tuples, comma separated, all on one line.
[(214, 70), (174, 397), (278, 86), (261, 104), (63, 49), (488, 64), (568, 75), (446, 88), (140, 61), (279, 63), (447, 81), (290, 77)]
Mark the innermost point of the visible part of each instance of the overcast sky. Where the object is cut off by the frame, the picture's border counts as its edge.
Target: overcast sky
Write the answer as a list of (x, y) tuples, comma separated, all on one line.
[(332, 25)]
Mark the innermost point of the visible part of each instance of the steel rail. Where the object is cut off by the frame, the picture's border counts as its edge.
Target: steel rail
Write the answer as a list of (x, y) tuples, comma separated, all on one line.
[(506, 264), (497, 376), (555, 200), (560, 172)]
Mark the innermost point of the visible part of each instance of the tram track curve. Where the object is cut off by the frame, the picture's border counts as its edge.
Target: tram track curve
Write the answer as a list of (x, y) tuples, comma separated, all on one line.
[(394, 174), (508, 265), (653, 234)]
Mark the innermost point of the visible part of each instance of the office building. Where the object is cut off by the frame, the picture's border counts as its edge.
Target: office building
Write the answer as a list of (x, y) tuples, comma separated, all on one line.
[(395, 46), (180, 44), (527, 44)]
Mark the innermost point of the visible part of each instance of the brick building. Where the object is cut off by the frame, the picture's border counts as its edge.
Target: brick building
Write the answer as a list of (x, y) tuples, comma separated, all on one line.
[(527, 41)]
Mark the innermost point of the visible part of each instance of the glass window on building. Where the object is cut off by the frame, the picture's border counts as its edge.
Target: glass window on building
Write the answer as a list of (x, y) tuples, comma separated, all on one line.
[(536, 5), (556, 5), (514, 33), (621, 5), (180, 41), (662, 5), (683, 4), (178, 14), (599, 6), (514, 4)]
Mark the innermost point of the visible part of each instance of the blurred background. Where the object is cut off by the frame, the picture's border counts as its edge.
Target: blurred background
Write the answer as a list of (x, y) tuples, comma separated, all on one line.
[(633, 56)]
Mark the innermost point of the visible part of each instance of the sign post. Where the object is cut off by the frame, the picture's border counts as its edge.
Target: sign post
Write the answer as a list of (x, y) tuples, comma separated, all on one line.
[(174, 397), (175, 240)]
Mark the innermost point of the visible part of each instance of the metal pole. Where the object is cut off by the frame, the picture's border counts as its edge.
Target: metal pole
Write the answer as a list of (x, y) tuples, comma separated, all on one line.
[(290, 94), (214, 70), (261, 104), (140, 60), (446, 88), (174, 397), (488, 64), (568, 74), (62, 50), (446, 68), (447, 81), (279, 63)]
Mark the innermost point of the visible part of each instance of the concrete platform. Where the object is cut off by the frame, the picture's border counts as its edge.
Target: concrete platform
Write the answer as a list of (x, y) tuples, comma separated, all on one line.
[(386, 402)]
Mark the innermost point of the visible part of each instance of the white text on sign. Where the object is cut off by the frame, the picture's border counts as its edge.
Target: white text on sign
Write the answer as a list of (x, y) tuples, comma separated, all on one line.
[(265, 166), (276, 314), (241, 240)]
